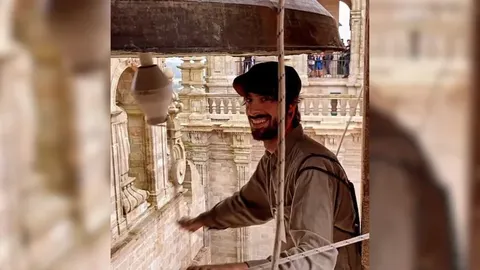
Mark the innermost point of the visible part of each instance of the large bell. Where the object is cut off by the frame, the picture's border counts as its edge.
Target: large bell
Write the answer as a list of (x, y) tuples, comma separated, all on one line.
[(219, 27)]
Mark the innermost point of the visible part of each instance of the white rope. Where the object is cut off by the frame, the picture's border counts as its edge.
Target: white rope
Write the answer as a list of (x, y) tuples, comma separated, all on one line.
[(348, 122), (311, 252), (280, 229)]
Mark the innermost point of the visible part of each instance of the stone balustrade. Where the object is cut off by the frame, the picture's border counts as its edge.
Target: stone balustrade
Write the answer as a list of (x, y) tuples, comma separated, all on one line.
[(221, 107)]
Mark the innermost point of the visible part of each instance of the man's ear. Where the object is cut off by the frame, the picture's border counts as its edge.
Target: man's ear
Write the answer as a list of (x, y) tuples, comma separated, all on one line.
[(292, 109)]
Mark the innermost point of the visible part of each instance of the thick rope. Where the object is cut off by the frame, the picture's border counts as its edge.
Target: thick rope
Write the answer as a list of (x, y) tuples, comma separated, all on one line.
[(280, 227), (315, 251)]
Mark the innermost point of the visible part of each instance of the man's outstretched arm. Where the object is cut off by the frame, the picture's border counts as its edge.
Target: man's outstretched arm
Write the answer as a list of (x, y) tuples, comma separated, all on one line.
[(247, 207), (311, 226)]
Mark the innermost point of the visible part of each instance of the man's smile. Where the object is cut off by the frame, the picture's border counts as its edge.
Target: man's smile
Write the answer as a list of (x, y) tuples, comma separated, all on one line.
[(259, 121)]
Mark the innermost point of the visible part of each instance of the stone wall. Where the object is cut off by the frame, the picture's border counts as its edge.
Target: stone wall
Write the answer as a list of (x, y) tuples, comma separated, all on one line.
[(158, 243), (148, 192)]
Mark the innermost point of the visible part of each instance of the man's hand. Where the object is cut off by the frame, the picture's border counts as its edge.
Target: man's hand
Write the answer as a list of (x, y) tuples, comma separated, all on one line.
[(190, 224), (229, 266)]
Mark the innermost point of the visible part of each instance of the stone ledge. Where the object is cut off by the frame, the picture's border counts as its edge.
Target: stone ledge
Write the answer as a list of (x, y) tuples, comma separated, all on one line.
[(135, 233)]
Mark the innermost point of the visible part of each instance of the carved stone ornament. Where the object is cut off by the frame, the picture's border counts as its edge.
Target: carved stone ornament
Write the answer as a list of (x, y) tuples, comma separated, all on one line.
[(133, 62), (178, 160), (178, 171)]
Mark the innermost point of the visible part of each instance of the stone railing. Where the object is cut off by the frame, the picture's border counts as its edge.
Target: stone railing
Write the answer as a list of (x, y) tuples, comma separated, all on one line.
[(330, 105), (221, 107)]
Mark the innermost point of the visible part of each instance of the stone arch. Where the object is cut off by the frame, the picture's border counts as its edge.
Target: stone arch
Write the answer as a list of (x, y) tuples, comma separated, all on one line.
[(137, 130), (348, 2), (123, 96), (116, 73)]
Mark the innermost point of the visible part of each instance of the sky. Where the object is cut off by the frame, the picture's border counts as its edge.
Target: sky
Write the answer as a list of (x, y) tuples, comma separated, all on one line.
[(344, 19)]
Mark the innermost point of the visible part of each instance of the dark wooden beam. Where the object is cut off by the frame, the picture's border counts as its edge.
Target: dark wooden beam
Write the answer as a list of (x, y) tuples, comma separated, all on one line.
[(365, 144)]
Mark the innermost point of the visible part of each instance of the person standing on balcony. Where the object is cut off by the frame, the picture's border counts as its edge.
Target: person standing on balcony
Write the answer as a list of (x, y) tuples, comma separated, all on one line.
[(346, 57), (319, 64), (311, 64), (328, 58), (320, 202), (247, 63)]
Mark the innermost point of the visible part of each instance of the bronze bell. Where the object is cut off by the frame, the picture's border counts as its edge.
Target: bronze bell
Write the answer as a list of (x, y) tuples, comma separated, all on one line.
[(152, 90), (220, 27)]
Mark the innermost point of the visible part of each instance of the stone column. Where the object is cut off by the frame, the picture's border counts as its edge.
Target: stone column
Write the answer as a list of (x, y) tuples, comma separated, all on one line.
[(193, 94), (241, 157), (192, 75), (158, 139), (133, 199), (197, 145), (299, 62), (357, 18), (217, 74), (17, 148), (156, 164), (231, 71)]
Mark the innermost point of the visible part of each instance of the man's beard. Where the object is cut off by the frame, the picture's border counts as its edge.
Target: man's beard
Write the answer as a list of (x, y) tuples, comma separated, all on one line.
[(267, 133)]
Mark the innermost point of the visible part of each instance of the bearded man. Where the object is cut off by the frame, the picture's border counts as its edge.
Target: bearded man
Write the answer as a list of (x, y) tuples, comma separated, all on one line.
[(320, 204)]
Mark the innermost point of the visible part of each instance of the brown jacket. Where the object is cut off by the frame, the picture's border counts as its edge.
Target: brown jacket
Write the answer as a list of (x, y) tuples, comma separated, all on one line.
[(319, 207)]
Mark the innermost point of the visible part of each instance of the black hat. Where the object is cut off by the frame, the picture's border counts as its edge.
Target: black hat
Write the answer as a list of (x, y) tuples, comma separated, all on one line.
[(262, 79)]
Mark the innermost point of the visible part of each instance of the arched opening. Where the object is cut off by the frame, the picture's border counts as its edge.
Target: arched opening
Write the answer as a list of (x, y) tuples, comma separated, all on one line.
[(344, 21), (173, 63)]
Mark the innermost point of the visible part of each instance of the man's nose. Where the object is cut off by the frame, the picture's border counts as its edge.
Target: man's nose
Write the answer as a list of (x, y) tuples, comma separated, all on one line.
[(254, 108)]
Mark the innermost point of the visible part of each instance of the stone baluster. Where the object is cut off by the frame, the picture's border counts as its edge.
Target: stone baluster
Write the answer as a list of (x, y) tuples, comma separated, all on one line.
[(353, 104), (302, 106), (311, 108), (229, 106), (325, 107), (222, 107), (214, 106), (237, 106), (330, 104), (343, 106), (318, 107), (334, 107)]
